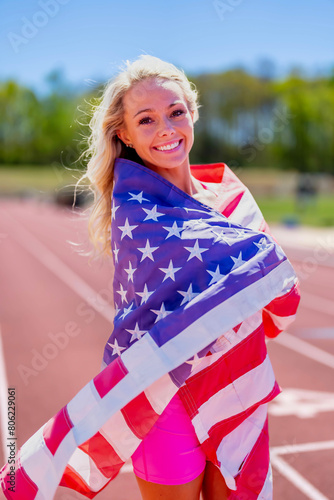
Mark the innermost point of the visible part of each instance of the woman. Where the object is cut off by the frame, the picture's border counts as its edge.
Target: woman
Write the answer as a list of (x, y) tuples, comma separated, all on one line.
[(186, 378)]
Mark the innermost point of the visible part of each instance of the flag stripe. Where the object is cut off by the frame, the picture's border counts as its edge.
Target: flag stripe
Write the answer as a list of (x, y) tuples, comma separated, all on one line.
[(139, 415), (56, 429)]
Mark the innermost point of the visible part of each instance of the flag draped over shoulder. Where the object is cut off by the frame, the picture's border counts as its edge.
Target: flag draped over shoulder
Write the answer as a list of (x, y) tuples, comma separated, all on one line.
[(194, 292)]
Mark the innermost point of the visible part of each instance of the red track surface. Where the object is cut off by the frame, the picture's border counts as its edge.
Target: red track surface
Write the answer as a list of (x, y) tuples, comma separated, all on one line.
[(36, 304)]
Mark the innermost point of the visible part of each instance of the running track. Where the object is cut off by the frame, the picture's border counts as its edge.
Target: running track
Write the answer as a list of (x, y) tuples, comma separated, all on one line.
[(47, 289)]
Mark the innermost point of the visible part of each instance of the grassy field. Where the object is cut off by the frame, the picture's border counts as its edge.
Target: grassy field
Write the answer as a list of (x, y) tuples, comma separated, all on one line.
[(265, 185)]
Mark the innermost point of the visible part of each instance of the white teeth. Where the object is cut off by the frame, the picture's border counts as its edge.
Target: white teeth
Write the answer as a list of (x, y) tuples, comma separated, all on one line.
[(169, 146)]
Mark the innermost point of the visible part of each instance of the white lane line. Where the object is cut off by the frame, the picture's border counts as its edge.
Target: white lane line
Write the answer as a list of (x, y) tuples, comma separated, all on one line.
[(308, 350), (316, 303), (296, 479), (302, 447), (62, 271), (3, 400)]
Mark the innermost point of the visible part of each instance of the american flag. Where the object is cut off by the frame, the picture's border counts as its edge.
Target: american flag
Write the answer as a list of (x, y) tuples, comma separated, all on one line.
[(195, 291)]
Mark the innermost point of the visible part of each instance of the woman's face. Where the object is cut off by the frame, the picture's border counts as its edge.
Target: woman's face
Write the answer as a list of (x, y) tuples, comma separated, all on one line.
[(158, 124)]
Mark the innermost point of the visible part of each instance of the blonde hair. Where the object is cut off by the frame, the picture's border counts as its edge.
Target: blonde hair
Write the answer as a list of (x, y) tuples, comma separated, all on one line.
[(104, 146)]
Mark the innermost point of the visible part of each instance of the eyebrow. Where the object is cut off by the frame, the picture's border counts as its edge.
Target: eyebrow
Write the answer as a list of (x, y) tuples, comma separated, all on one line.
[(150, 109)]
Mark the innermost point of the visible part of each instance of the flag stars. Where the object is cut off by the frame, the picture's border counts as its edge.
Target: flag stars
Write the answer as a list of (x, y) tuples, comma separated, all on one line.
[(215, 275), (130, 272), (147, 251), (152, 214), (116, 349), (161, 313), (169, 271), (136, 334), (114, 210), (126, 311), (221, 237), (122, 293), (188, 295), (137, 197), (237, 261), (116, 250), (174, 230), (262, 244), (127, 229), (145, 295), (196, 251)]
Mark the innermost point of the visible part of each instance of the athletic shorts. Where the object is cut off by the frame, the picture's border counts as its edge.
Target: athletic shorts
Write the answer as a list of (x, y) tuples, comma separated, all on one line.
[(170, 453)]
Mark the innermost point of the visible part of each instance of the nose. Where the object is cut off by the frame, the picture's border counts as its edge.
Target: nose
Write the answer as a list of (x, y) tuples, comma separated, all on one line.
[(166, 128)]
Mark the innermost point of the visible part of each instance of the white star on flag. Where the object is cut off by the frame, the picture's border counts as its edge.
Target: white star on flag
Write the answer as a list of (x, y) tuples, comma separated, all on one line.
[(216, 275), (222, 237), (188, 295), (240, 232), (194, 361), (169, 271), (237, 261), (152, 214), (147, 251), (136, 333), (116, 250), (262, 245), (127, 229), (127, 310), (117, 309), (114, 209), (161, 313), (116, 348), (145, 295), (130, 272), (122, 293), (196, 251), (138, 197), (173, 230)]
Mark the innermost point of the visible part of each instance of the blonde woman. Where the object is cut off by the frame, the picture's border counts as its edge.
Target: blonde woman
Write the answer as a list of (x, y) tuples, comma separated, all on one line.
[(186, 378)]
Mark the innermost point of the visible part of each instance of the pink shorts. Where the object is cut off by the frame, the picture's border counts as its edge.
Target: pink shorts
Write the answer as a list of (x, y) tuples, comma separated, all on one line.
[(171, 452)]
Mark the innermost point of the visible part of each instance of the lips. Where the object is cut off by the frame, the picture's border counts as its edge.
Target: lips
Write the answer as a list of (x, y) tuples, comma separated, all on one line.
[(170, 146)]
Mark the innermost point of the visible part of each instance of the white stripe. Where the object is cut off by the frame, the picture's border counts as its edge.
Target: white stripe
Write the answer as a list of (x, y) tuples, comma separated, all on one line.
[(296, 479), (3, 401), (234, 447), (246, 214), (117, 432), (83, 403), (308, 350), (236, 397), (267, 491), (62, 271), (302, 447), (281, 321), (89, 472), (160, 393)]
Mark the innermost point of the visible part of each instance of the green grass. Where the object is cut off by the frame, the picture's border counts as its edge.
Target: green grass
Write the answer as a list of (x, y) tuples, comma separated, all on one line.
[(16, 179), (320, 212), (276, 209)]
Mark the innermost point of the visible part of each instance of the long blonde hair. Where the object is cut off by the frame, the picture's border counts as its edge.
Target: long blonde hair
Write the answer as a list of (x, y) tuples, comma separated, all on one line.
[(104, 146)]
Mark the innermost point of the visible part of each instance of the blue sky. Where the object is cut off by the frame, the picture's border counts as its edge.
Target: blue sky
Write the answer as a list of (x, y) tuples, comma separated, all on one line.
[(90, 39)]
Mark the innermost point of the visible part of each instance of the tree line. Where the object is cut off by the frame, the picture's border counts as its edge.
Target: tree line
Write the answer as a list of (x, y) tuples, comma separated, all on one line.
[(245, 120)]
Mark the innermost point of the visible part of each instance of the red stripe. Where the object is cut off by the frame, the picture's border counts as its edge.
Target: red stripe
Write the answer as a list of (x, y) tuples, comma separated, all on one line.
[(287, 304), (56, 429), (242, 358), (25, 488), (208, 173), (224, 427), (139, 415), (251, 479), (110, 376), (72, 480), (103, 454)]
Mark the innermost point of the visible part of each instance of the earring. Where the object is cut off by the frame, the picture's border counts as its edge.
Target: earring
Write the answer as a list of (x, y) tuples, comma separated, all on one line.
[(129, 145)]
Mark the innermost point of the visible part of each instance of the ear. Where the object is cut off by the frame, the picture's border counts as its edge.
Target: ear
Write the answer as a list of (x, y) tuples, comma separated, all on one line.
[(123, 135)]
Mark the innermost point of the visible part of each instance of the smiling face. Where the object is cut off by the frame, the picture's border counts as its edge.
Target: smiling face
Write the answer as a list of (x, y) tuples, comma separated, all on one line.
[(159, 125)]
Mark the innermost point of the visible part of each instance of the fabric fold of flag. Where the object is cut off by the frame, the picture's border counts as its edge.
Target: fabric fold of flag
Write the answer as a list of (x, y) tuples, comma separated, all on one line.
[(190, 288)]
